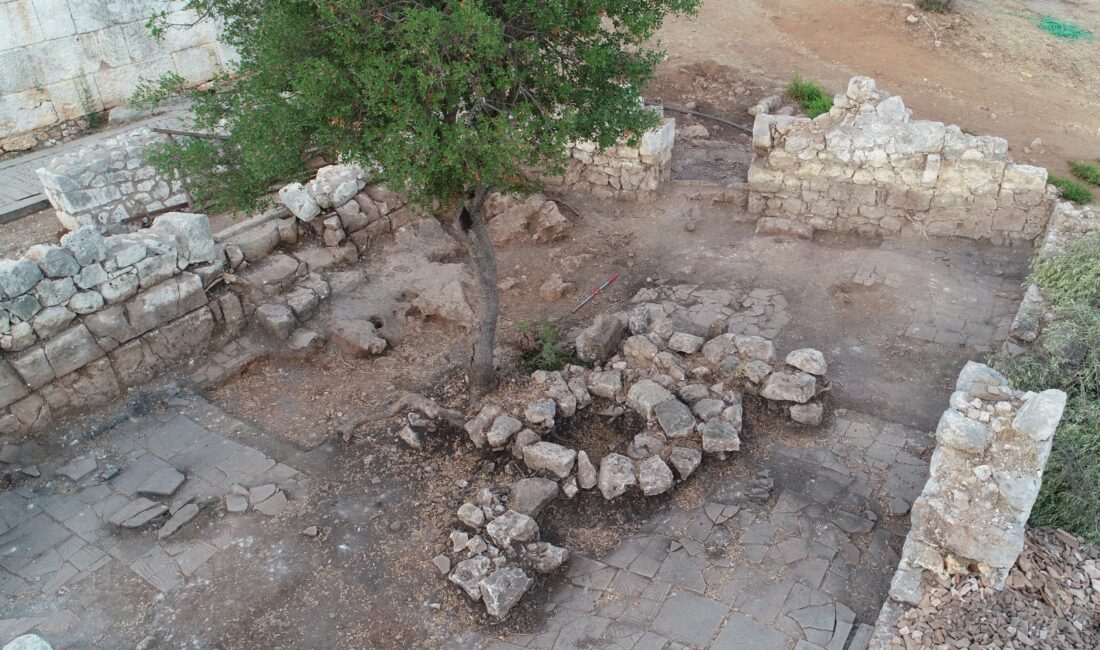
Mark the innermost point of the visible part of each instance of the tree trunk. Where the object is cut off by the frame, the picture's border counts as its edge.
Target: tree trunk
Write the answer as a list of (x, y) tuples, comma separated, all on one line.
[(483, 376)]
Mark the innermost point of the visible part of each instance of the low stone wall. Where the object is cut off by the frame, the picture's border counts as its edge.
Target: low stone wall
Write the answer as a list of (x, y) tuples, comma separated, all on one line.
[(621, 172), (84, 320), (867, 167), (109, 182), (991, 447)]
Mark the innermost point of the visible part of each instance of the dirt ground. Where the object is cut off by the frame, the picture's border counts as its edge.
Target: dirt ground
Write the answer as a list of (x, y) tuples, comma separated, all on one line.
[(994, 72), (384, 510)]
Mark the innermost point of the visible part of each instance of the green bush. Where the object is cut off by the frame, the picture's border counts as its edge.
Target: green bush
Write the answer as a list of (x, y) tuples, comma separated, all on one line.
[(1086, 172), (938, 6), (811, 97), (1068, 358), (541, 347), (1070, 189)]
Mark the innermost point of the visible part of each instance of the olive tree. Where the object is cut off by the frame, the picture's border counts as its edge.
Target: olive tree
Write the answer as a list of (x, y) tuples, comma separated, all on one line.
[(444, 101)]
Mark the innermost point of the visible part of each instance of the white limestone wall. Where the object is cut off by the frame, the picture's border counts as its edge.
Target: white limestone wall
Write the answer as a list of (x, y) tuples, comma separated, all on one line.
[(63, 59)]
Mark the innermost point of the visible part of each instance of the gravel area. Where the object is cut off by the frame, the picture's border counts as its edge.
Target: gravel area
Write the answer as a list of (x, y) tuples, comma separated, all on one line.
[(1051, 600), (19, 235)]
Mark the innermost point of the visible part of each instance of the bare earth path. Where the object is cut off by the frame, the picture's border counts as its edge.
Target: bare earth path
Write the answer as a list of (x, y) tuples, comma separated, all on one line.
[(994, 72)]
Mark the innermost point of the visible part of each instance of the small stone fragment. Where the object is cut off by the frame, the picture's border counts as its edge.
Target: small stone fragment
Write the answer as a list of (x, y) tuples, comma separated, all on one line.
[(182, 516), (616, 475), (586, 471), (719, 437), (503, 589), (471, 515), (810, 414), (547, 558), (504, 427), (531, 495), (808, 360), (654, 476), (685, 460), (551, 457), (443, 563), (511, 527), (236, 503), (468, 573)]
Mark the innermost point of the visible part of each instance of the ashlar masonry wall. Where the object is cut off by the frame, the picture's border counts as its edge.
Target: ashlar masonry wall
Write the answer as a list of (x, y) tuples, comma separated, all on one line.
[(867, 167), (64, 59)]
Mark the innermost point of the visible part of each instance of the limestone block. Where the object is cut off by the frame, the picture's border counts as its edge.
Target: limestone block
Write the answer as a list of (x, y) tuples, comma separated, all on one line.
[(165, 301), (18, 277), (72, 349), (192, 235)]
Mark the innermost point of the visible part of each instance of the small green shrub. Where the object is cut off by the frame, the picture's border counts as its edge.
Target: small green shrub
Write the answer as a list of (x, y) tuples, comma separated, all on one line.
[(938, 6), (811, 97), (541, 347), (1086, 172), (1068, 358), (1070, 189)]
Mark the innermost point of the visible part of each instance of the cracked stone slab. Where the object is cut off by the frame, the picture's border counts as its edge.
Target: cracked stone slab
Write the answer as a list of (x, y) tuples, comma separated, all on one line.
[(162, 482), (78, 468), (137, 513)]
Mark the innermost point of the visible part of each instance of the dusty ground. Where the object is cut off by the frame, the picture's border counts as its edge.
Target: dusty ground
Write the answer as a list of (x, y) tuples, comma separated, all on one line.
[(38, 228), (994, 72)]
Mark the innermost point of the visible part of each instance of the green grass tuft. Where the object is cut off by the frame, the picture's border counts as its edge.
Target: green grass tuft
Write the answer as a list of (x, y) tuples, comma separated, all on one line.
[(1086, 172), (542, 348), (1070, 189), (938, 6), (811, 97), (1068, 357)]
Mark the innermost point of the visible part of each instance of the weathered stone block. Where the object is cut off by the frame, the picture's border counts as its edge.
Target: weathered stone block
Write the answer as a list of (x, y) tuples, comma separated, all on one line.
[(165, 301), (72, 349)]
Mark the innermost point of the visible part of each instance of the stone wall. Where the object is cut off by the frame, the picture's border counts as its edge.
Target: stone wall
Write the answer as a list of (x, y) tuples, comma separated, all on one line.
[(621, 171), (991, 447), (867, 167), (83, 321), (64, 59), (105, 184)]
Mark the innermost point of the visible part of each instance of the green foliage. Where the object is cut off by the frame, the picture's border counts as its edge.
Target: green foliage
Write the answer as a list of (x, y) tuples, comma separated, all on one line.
[(542, 348), (938, 6), (1070, 189), (439, 97), (1068, 358), (149, 94), (811, 97), (1085, 171)]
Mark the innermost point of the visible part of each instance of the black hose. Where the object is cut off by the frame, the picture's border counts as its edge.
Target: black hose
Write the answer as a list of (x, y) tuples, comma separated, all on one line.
[(720, 120)]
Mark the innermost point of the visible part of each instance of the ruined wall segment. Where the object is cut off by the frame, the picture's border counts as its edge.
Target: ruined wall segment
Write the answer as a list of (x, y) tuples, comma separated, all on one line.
[(992, 444), (106, 184), (61, 60), (867, 167), (83, 320), (621, 172)]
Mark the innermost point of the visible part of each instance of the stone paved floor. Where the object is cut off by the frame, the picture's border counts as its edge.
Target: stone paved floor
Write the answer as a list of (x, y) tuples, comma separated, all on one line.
[(974, 310), (19, 185), (54, 530), (808, 569)]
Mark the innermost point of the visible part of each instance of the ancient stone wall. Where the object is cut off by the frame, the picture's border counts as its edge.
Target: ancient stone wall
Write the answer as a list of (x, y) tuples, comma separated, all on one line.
[(61, 60), (991, 447), (622, 171), (83, 321), (867, 167), (106, 184)]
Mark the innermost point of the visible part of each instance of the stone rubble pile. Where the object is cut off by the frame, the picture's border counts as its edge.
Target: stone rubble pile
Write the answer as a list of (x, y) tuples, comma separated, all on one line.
[(867, 167), (343, 210), (986, 471), (1051, 600), (687, 389), (498, 547)]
